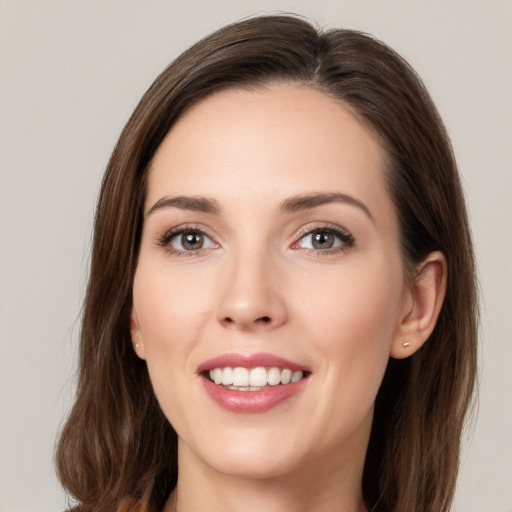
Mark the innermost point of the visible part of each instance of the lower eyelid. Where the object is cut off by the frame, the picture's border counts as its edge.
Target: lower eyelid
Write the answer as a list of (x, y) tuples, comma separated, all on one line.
[(344, 239), (168, 235)]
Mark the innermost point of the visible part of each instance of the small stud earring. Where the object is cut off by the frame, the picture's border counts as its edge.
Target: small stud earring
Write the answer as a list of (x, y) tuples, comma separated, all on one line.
[(406, 344), (137, 345)]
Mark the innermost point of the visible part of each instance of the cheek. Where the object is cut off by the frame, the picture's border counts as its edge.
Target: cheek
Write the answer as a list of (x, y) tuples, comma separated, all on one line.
[(353, 322), (171, 311), (358, 305), (171, 307), (352, 325)]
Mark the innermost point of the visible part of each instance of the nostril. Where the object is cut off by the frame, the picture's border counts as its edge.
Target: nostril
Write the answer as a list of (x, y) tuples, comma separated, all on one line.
[(245, 323)]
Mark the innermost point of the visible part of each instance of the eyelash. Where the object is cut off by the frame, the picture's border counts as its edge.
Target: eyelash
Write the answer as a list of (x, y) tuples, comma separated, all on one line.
[(165, 240), (347, 240)]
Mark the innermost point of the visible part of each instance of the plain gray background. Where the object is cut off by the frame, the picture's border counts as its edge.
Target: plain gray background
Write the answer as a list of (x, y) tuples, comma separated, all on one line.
[(71, 72)]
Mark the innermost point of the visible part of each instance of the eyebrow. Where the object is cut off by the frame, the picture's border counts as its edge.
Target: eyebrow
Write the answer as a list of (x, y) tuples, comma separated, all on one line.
[(195, 203), (305, 202), (290, 205)]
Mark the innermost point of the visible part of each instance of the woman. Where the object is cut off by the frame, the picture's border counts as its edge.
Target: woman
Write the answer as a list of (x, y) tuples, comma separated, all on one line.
[(281, 312)]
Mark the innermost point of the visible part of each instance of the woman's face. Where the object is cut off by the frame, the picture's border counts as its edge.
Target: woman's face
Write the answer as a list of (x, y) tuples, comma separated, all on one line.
[(270, 247)]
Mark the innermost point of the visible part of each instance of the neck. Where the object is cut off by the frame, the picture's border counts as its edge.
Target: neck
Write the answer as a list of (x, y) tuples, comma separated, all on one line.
[(313, 488)]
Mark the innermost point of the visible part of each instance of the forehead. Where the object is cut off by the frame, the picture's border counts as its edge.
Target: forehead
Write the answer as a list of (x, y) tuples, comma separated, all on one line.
[(270, 143)]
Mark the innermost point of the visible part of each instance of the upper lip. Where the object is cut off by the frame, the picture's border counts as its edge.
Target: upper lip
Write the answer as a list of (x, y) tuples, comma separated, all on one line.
[(233, 359)]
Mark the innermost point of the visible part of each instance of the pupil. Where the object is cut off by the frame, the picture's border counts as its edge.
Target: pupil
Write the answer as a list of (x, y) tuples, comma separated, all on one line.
[(192, 241), (323, 240)]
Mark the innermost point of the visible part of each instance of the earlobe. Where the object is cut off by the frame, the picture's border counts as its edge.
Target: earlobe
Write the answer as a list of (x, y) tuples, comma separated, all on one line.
[(136, 335), (427, 295)]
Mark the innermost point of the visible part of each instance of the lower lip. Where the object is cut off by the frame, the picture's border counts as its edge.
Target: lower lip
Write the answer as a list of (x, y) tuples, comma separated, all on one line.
[(251, 401)]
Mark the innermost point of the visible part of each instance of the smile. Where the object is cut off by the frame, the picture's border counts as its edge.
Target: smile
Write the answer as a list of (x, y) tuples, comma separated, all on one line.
[(253, 379), (253, 383)]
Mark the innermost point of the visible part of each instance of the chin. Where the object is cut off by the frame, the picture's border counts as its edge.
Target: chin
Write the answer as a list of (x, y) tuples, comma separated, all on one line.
[(248, 456), (261, 467)]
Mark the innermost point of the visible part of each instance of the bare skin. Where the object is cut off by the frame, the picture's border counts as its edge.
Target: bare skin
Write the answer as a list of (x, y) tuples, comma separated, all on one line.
[(269, 229)]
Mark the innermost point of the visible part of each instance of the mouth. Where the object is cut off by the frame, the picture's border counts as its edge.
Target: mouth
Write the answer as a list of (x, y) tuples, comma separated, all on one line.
[(240, 378), (252, 383)]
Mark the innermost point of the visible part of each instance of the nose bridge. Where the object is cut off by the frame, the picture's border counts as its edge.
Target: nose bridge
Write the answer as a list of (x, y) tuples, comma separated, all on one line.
[(250, 295)]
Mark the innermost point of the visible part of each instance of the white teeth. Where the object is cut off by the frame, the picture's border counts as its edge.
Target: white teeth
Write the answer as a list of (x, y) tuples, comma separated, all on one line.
[(240, 376), (296, 376), (227, 376), (258, 377), (286, 376), (252, 379), (217, 376), (274, 376)]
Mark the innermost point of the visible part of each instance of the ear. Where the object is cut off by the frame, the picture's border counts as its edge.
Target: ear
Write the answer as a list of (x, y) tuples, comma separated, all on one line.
[(425, 298), (136, 335)]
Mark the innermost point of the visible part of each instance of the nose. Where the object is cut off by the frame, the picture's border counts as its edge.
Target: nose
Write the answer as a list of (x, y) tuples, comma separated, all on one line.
[(251, 296)]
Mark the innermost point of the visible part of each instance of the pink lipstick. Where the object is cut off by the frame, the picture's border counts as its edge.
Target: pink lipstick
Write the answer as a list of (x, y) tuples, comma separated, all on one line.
[(251, 383)]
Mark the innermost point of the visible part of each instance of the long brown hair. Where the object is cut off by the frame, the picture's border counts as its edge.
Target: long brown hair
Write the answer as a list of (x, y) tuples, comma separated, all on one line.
[(117, 451)]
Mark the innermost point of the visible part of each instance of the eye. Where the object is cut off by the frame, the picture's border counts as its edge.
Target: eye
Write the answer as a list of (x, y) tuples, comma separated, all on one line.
[(326, 238), (320, 240), (187, 240)]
